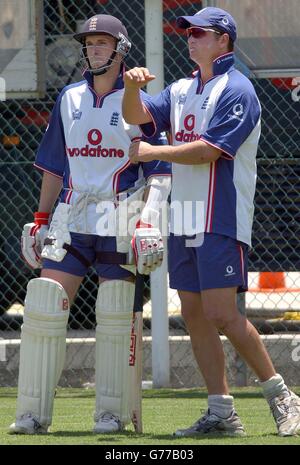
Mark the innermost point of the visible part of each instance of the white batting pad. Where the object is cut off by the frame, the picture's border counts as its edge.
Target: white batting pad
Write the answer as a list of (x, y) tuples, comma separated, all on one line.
[(43, 345), (114, 315)]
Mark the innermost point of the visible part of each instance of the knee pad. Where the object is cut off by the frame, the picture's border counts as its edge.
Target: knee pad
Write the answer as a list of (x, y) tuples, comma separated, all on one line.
[(43, 346), (114, 315)]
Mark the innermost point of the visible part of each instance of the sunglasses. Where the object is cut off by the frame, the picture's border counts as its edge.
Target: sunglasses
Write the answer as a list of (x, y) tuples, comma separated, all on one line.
[(198, 32)]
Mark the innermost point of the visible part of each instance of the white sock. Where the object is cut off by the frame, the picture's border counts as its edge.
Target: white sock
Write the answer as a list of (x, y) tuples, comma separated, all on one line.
[(273, 387), (220, 405)]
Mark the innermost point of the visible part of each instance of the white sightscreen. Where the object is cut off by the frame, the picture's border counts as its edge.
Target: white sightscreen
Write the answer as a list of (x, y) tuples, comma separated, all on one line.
[(268, 34), (21, 46)]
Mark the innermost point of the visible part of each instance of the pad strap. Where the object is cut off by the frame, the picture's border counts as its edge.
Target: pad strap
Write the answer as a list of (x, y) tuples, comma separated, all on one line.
[(113, 258)]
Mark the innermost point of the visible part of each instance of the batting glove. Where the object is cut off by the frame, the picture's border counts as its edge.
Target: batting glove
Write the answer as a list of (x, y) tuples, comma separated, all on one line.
[(148, 248), (32, 240)]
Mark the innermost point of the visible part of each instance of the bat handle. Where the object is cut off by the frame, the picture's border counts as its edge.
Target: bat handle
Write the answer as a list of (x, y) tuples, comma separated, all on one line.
[(139, 293)]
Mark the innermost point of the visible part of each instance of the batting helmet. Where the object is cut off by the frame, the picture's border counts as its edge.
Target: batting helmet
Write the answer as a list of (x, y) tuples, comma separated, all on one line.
[(106, 24)]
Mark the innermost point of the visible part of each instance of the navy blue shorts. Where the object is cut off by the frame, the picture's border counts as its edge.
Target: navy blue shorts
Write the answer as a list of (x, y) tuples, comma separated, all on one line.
[(219, 262), (88, 245)]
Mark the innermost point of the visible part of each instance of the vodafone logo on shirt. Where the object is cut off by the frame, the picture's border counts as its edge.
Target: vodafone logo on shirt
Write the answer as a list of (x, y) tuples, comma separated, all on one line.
[(189, 122), (94, 148), (94, 137), (187, 134)]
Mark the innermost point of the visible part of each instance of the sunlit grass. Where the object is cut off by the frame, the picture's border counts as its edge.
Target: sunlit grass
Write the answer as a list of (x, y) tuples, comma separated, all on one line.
[(164, 411)]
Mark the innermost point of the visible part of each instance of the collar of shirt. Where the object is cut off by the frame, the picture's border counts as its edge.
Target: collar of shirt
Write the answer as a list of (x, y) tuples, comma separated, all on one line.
[(221, 65)]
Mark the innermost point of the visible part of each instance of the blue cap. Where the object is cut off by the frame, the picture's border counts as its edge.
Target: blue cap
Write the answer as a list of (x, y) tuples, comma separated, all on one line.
[(210, 17)]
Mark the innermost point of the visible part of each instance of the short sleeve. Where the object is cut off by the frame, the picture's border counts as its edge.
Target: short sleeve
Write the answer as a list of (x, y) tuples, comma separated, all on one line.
[(159, 107), (236, 115), (51, 155)]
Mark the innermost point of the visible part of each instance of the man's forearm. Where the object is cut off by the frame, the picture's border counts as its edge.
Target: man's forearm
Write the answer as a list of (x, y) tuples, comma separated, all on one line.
[(155, 197), (133, 109), (51, 187), (193, 153)]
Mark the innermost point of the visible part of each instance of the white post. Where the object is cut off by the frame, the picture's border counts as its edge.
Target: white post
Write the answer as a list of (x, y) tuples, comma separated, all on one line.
[(160, 326), (154, 44), (159, 283)]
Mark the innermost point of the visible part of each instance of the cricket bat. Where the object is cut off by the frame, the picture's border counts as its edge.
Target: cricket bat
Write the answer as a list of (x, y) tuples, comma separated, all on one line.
[(136, 351)]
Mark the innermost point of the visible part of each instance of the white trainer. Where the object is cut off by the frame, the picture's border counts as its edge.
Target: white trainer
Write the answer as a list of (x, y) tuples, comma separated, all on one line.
[(108, 423), (27, 424), (211, 424), (286, 412)]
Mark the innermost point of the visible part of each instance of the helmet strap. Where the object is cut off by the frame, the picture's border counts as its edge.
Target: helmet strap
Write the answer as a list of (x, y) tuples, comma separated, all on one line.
[(104, 68)]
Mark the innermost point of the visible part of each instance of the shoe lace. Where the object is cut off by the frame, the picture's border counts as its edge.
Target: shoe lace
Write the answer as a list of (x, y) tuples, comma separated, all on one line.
[(36, 424), (107, 417), (202, 419), (283, 407)]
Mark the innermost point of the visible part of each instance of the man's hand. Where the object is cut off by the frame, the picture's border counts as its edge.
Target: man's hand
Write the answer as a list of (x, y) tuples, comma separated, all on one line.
[(141, 152), (137, 78), (133, 109), (33, 237)]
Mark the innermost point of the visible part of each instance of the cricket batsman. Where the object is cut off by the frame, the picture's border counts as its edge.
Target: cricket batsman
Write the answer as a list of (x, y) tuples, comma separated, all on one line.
[(85, 164)]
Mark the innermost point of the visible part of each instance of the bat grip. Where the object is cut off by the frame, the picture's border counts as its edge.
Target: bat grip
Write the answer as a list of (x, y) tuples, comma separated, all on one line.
[(139, 293)]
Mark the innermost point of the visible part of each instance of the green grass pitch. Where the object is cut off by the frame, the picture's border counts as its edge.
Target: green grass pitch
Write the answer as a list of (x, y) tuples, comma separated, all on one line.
[(164, 411)]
